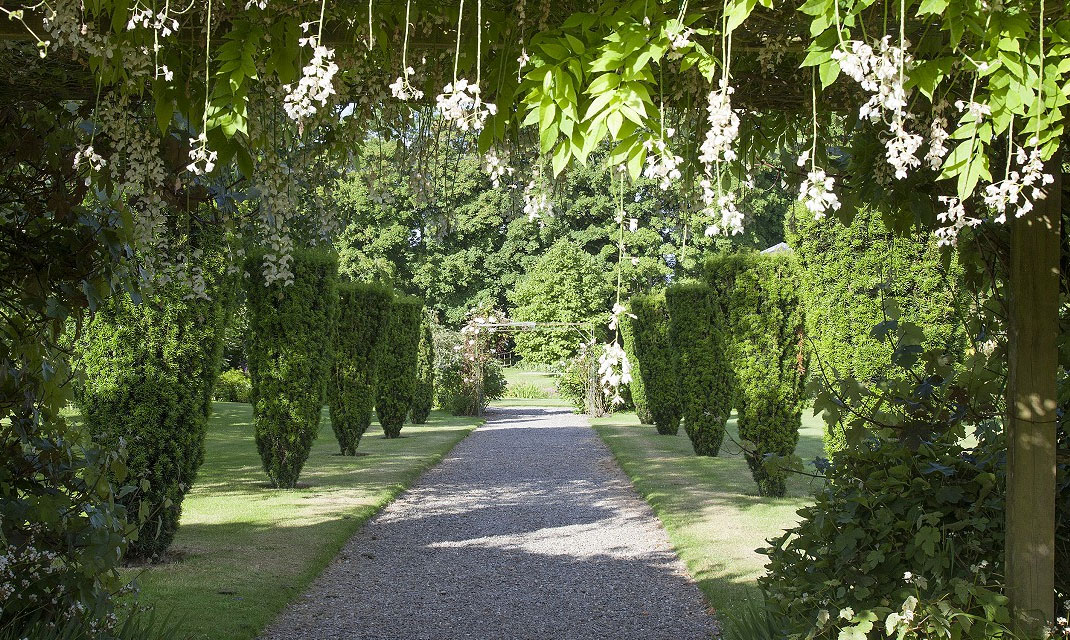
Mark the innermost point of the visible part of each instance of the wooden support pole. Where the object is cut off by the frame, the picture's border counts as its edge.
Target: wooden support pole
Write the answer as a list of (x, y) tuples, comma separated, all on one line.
[(1031, 404)]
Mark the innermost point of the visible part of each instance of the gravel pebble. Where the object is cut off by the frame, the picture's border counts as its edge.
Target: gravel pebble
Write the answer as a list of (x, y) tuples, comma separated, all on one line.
[(528, 529)]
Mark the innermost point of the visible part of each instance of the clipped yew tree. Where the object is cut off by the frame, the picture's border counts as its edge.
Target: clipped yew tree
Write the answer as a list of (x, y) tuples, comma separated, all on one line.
[(424, 395), (398, 367), (657, 366), (362, 315), (846, 271), (698, 343), (635, 387), (766, 348), (149, 371), (289, 351)]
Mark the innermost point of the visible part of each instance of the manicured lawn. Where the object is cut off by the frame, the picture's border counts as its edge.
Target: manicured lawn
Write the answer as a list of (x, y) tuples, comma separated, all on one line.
[(709, 506), (546, 382), (244, 550)]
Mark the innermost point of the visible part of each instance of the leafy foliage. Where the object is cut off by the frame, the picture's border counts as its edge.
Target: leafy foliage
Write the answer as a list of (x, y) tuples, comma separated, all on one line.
[(462, 387), (922, 555), (362, 316), (424, 395), (653, 352), (233, 386), (847, 272), (290, 359), (397, 371), (698, 338), (148, 373), (564, 285), (760, 302), (636, 389)]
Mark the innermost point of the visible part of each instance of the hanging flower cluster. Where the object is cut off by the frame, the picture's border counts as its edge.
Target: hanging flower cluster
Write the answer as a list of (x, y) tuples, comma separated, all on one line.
[(317, 81), (724, 127), (818, 194), (614, 371), (661, 164), (149, 19), (89, 158), (728, 220), (202, 161), (938, 137), (536, 200), (955, 219), (403, 90), (497, 166), (461, 104), (1009, 194)]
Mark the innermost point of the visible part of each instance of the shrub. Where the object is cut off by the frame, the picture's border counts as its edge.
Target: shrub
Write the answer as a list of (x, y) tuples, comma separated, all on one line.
[(760, 300), (455, 390), (424, 395), (698, 342), (925, 541), (148, 372), (656, 362), (845, 273), (579, 383), (566, 284), (525, 391), (233, 386), (398, 367), (636, 390), (289, 350), (362, 314)]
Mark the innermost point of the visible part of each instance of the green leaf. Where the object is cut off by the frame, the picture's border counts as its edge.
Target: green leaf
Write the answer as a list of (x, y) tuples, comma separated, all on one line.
[(560, 158)]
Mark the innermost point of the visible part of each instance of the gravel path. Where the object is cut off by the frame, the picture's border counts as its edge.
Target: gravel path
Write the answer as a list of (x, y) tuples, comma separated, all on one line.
[(528, 529)]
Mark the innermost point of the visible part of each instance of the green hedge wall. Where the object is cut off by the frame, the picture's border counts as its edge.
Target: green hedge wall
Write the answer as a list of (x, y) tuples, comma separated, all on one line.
[(761, 303), (697, 337), (398, 367), (149, 371), (844, 272), (635, 387), (362, 314), (657, 366), (424, 395), (289, 350)]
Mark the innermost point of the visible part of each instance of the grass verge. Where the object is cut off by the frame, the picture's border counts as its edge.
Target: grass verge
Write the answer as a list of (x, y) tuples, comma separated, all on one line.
[(709, 506), (245, 550)]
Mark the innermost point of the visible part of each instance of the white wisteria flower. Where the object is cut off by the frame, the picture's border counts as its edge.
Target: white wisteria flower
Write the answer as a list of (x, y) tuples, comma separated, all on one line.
[(724, 127), (614, 371), (1009, 194), (149, 19), (955, 219), (536, 201), (88, 157), (202, 161), (727, 219), (938, 137), (316, 85), (403, 90), (497, 166), (460, 103), (661, 164), (818, 194), (614, 317)]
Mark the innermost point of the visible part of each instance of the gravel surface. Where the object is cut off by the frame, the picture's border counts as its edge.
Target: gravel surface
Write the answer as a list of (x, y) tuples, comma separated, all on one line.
[(528, 529)]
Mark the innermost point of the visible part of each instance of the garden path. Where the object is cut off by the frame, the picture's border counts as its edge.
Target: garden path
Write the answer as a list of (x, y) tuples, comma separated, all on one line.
[(528, 529)]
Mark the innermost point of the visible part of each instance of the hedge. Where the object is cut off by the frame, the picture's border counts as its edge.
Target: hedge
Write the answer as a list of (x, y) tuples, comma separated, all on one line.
[(148, 375), (760, 299), (233, 385), (398, 367), (845, 270), (361, 316), (424, 395), (697, 336), (289, 351), (635, 387), (657, 366)]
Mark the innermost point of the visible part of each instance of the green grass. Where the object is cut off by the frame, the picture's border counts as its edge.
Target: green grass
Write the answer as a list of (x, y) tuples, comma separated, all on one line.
[(545, 381), (709, 506), (245, 550)]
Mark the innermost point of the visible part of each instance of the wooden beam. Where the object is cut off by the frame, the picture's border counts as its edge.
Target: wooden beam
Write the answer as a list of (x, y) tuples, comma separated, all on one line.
[(1031, 405)]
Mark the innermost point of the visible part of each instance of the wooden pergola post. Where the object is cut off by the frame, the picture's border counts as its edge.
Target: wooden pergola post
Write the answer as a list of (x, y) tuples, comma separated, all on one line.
[(1031, 404)]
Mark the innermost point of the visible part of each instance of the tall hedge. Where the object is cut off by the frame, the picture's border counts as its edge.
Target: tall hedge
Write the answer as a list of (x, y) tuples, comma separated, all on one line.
[(149, 373), (657, 366), (289, 351), (424, 395), (697, 337), (767, 351), (635, 387), (845, 270), (362, 315), (398, 367)]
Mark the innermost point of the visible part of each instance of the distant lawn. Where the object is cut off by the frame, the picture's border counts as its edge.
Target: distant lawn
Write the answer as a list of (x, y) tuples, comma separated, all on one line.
[(544, 381), (709, 506), (245, 550)]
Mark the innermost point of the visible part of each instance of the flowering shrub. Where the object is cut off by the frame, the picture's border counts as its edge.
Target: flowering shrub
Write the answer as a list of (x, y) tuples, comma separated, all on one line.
[(761, 306), (922, 555), (656, 362), (397, 370), (148, 373), (699, 343), (363, 313), (424, 396), (233, 386), (290, 359)]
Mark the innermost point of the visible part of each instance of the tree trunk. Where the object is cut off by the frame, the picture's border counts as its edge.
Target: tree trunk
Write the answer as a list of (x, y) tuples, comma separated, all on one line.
[(1031, 404)]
